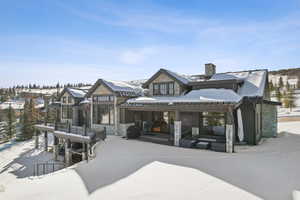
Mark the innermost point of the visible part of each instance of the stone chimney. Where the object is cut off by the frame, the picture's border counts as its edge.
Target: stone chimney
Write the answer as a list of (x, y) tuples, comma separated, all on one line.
[(210, 69)]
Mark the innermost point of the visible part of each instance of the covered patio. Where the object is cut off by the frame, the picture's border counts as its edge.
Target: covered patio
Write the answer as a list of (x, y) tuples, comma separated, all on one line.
[(202, 118)]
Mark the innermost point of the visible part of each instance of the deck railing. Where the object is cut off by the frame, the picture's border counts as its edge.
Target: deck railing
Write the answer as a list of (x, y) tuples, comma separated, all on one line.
[(46, 168)]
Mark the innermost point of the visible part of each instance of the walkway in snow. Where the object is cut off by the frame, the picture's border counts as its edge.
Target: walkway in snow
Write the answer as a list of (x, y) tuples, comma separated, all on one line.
[(129, 169)]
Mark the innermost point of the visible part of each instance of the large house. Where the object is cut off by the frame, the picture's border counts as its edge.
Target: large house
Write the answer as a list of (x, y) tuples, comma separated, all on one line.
[(212, 110)]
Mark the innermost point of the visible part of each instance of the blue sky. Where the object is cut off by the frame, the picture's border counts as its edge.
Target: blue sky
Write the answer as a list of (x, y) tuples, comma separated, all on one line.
[(50, 41)]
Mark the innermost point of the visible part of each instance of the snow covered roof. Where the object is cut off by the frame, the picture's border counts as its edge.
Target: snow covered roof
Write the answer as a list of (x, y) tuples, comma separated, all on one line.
[(121, 88), (181, 78), (254, 81), (195, 96), (74, 92), (77, 93)]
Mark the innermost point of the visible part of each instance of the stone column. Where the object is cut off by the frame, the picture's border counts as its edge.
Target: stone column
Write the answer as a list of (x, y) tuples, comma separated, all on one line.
[(88, 151), (46, 140), (83, 151), (230, 132), (116, 115), (177, 128), (36, 139), (68, 154), (55, 148)]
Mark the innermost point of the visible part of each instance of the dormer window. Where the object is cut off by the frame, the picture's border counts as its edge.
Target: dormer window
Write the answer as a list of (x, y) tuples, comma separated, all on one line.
[(69, 100), (64, 100), (166, 88)]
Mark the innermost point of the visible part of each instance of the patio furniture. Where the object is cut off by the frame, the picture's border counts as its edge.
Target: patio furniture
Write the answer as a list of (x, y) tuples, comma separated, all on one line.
[(202, 145), (219, 147), (187, 143)]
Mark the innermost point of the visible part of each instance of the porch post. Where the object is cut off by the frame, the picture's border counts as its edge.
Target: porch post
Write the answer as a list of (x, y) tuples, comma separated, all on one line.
[(177, 129), (67, 152), (116, 117), (83, 151), (46, 140), (55, 148), (88, 151), (36, 139), (55, 143), (230, 132)]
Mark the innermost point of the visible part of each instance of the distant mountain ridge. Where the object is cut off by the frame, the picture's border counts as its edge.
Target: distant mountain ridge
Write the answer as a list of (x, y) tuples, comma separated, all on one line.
[(287, 72)]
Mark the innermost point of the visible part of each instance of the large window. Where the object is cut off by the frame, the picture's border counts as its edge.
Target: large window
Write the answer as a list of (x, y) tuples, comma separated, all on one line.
[(67, 112), (64, 100), (163, 88), (213, 123), (103, 110)]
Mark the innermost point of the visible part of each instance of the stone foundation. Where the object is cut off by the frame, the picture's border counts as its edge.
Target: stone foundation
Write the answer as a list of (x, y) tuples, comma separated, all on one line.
[(123, 128), (269, 120)]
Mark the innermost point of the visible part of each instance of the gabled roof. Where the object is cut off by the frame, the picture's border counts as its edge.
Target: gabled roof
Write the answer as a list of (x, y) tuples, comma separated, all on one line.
[(181, 79), (74, 92), (120, 88), (254, 81)]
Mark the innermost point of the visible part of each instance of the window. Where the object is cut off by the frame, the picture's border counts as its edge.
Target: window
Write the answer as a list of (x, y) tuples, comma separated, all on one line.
[(69, 100), (212, 123), (103, 114), (103, 98), (163, 88), (67, 112), (64, 99), (103, 109), (171, 88), (156, 89)]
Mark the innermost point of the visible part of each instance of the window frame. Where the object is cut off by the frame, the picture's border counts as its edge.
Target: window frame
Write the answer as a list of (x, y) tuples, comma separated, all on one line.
[(102, 104), (157, 88)]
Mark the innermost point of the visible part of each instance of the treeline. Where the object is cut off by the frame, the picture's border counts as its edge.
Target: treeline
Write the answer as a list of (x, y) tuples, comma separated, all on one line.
[(23, 128), (36, 86), (284, 93)]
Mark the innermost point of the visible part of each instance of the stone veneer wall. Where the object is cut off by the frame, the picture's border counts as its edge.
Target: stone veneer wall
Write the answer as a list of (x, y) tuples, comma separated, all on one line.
[(269, 120), (110, 129), (123, 128)]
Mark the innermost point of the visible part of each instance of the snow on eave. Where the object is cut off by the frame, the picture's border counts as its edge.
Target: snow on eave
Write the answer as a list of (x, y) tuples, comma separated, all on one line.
[(195, 96)]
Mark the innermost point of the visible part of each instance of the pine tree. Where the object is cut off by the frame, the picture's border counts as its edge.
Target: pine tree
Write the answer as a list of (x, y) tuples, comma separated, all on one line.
[(271, 86), (10, 128), (287, 86), (29, 119), (280, 84), (278, 94), (289, 100)]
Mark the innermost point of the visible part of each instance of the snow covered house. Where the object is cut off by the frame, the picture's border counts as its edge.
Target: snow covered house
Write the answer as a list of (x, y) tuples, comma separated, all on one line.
[(71, 111), (214, 110), (106, 97)]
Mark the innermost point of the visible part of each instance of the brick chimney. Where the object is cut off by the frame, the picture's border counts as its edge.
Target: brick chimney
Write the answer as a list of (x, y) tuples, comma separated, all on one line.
[(210, 69)]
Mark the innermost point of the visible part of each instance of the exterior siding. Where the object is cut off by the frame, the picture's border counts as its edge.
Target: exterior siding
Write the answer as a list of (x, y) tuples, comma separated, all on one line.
[(269, 120), (248, 115)]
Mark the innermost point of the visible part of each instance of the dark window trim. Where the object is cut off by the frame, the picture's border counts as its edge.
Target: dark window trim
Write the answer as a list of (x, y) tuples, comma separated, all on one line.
[(109, 105), (158, 91)]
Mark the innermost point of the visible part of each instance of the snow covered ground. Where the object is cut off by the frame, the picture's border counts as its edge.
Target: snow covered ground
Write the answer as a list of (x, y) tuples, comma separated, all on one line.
[(129, 169)]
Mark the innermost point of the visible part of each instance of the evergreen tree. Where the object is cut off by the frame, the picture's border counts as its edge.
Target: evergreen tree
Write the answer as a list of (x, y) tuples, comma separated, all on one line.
[(287, 86), (271, 86), (10, 128), (280, 84), (278, 94), (289, 100), (29, 119)]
